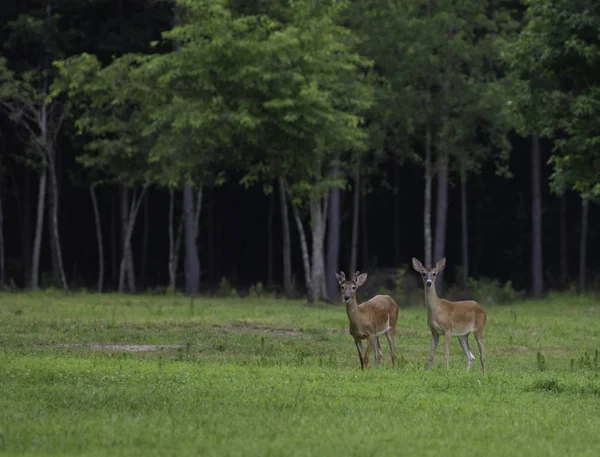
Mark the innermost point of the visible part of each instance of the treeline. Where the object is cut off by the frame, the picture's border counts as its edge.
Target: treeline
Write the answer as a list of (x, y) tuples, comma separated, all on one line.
[(307, 101)]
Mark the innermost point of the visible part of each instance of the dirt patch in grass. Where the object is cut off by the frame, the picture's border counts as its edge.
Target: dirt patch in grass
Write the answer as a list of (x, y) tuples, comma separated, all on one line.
[(121, 347), (258, 329)]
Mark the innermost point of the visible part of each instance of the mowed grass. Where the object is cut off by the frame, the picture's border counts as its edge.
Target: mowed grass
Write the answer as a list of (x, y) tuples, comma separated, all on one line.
[(260, 377)]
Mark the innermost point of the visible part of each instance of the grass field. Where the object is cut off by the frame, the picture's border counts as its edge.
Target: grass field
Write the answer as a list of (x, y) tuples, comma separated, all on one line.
[(262, 377)]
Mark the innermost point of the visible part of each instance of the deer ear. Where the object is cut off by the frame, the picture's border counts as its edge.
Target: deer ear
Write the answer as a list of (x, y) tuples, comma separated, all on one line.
[(361, 279), (441, 264), (341, 277), (417, 265)]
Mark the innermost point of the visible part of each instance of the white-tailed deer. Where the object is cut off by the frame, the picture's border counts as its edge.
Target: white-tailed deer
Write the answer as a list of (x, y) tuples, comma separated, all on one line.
[(451, 318), (370, 319)]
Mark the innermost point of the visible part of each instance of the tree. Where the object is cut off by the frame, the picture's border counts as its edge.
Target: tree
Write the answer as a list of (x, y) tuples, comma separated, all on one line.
[(559, 50), (107, 109), (24, 98)]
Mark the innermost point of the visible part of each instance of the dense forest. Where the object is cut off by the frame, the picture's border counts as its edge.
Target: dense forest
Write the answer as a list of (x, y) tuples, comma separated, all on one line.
[(201, 145)]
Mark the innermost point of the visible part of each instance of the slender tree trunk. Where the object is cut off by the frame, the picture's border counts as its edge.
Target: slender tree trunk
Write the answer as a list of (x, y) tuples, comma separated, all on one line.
[(192, 263), (27, 250), (211, 242), (333, 238), (287, 244), (126, 270), (270, 240), (396, 215), (98, 238), (53, 254), (583, 244), (441, 213), (54, 225), (37, 241), (145, 237), (564, 253), (364, 232), (318, 224), (114, 245), (129, 225), (427, 205), (174, 241), (464, 229), (537, 271), (305, 257), (355, 215)]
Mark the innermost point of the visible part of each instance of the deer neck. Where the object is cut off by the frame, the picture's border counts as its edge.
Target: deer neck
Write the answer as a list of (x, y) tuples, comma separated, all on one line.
[(352, 309), (431, 298)]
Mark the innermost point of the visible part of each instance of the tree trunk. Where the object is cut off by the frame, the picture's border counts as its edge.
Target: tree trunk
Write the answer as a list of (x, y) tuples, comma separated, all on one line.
[(333, 238), (537, 270), (114, 245), (464, 229), (145, 237), (305, 257), (427, 203), (564, 253), (441, 213), (54, 224), (129, 219), (39, 227), (396, 216), (270, 240), (174, 241), (318, 211), (211, 243), (355, 215), (126, 269), (364, 232), (26, 229), (583, 244), (53, 253), (287, 244), (98, 238), (192, 262)]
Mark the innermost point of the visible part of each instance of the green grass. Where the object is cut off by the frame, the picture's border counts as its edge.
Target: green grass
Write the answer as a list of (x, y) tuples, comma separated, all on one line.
[(260, 377)]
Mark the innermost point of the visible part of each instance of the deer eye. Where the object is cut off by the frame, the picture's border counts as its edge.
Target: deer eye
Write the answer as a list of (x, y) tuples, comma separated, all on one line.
[(353, 287), (434, 274)]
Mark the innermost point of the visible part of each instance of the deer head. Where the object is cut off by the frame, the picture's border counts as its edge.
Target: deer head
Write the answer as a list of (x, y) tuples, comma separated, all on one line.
[(348, 288), (429, 274)]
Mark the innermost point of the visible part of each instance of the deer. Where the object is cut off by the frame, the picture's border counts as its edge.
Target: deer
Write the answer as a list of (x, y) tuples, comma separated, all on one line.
[(451, 318), (369, 320)]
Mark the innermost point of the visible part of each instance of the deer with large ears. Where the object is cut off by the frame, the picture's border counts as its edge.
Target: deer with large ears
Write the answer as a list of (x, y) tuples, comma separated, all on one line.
[(451, 318), (375, 317)]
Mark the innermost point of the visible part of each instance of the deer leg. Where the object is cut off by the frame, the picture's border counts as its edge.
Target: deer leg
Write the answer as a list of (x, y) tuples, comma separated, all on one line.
[(370, 344), (360, 353), (448, 339), (377, 351), (435, 339), (391, 337), (479, 337), (464, 343)]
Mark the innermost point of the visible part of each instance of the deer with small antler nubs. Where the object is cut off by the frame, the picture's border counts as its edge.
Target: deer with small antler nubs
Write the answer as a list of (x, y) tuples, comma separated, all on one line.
[(451, 318), (375, 317)]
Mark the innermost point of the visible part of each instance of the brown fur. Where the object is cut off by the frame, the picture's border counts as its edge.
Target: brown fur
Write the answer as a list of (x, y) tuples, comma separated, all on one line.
[(375, 317), (448, 318)]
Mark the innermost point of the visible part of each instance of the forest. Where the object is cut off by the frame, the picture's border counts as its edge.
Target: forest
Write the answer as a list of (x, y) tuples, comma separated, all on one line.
[(211, 146)]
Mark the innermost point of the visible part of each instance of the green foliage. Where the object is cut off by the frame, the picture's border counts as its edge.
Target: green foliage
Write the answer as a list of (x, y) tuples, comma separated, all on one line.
[(226, 289), (256, 290), (557, 92), (490, 291)]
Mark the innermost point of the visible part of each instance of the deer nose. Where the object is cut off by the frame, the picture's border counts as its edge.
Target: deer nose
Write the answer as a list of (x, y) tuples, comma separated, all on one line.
[(428, 282)]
